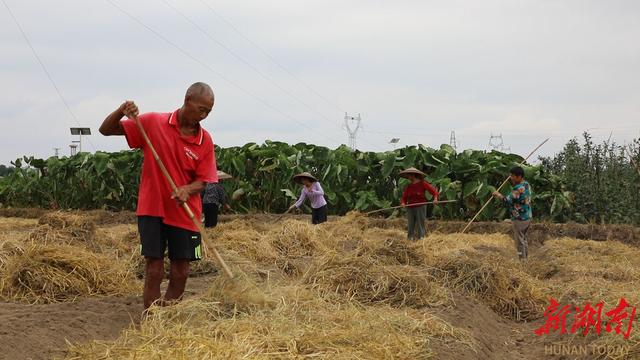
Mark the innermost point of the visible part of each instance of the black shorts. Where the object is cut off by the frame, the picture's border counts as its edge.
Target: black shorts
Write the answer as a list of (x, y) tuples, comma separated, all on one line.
[(319, 215), (155, 236)]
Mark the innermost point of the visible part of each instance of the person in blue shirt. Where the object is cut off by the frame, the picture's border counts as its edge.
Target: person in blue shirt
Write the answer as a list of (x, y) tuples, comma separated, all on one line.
[(518, 202)]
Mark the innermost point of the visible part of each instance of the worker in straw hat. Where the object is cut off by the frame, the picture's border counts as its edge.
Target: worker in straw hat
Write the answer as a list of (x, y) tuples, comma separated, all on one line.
[(413, 198), (312, 190), (213, 198)]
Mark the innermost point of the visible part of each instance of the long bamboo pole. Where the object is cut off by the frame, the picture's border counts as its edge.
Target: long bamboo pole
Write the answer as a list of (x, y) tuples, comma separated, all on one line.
[(500, 187), (185, 206), (417, 204)]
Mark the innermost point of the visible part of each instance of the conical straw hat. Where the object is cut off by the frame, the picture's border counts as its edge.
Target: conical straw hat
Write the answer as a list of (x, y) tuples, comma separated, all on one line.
[(412, 171), (298, 178)]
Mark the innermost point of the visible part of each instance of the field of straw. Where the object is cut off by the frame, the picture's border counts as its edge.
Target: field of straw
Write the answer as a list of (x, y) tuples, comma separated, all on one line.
[(352, 288)]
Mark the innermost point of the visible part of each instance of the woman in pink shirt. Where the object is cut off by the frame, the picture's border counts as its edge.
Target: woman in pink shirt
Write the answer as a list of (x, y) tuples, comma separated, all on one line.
[(311, 190)]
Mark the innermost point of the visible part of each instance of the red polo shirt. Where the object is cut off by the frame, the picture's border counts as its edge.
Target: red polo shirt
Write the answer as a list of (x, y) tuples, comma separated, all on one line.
[(414, 193), (187, 159)]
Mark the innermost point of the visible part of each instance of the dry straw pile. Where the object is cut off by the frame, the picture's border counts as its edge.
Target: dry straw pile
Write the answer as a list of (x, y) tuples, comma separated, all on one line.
[(44, 273), (350, 288), (346, 289), (485, 267), (283, 322), (337, 291), (60, 259)]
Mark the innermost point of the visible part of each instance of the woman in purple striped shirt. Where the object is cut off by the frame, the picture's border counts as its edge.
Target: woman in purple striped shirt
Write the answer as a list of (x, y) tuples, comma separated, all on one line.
[(311, 190)]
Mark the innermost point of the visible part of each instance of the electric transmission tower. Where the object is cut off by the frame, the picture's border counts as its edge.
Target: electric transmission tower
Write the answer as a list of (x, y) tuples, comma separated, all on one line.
[(496, 142), (352, 124), (57, 151), (453, 142)]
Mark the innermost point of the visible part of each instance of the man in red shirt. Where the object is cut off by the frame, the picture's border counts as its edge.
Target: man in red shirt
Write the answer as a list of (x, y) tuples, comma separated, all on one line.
[(413, 198), (187, 151)]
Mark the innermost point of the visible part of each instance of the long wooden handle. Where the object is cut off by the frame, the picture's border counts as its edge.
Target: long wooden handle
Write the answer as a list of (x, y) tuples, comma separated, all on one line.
[(500, 187), (185, 206), (281, 216), (416, 204)]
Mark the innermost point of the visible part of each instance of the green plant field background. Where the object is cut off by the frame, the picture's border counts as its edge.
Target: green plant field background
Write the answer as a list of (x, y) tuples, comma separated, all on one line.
[(584, 182)]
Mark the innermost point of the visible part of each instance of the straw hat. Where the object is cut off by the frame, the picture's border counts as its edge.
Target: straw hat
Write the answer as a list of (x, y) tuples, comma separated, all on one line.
[(223, 175), (412, 171), (298, 178)]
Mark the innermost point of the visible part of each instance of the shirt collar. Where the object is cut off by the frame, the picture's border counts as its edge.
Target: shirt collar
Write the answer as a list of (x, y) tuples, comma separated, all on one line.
[(197, 139)]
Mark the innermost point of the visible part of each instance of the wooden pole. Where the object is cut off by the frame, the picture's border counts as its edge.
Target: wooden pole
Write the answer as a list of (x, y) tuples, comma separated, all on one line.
[(417, 204), (281, 216), (185, 206), (499, 187)]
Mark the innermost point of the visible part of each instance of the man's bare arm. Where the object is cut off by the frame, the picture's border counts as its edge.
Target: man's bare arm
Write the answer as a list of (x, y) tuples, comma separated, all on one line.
[(111, 124)]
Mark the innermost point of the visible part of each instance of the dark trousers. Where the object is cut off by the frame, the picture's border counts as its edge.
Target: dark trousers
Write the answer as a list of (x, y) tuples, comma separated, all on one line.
[(416, 218), (319, 215), (210, 215)]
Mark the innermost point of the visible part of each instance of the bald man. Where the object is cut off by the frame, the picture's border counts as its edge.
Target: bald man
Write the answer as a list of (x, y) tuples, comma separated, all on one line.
[(187, 151)]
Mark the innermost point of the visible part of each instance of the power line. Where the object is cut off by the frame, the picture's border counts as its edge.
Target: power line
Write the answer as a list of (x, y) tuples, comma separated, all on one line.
[(271, 58), (241, 59), (247, 63), (212, 70), (44, 68)]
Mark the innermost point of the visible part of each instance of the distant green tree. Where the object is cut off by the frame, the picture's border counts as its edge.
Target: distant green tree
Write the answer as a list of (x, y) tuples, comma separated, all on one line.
[(5, 170), (602, 178)]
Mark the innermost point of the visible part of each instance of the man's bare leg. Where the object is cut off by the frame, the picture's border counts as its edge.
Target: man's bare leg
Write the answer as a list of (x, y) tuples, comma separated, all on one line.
[(153, 274), (178, 275)]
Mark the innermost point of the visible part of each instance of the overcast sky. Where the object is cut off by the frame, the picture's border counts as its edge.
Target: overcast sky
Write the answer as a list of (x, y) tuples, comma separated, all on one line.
[(415, 70)]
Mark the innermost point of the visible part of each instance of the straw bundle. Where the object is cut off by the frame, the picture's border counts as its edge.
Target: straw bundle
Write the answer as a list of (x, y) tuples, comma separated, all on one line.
[(295, 324), (389, 247), (65, 228), (45, 273), (476, 265), (504, 287), (295, 238), (8, 249), (75, 225), (367, 281), (240, 238)]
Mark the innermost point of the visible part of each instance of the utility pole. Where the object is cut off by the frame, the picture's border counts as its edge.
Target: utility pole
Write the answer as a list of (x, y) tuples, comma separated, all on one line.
[(453, 142), (352, 124)]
